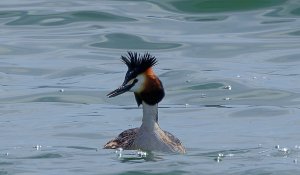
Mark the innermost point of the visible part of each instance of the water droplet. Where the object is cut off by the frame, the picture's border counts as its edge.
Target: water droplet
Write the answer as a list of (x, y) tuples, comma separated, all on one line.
[(295, 161), (227, 87), (142, 154), (119, 152), (38, 147), (284, 150), (218, 159)]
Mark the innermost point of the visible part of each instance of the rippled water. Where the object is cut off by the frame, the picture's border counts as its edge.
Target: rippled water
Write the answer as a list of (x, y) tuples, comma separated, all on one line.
[(230, 69)]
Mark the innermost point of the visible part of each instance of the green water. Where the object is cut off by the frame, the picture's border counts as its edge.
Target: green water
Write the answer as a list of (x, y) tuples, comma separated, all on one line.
[(230, 69)]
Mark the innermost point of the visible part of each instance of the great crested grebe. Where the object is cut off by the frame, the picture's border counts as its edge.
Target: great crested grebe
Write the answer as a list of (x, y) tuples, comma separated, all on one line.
[(148, 91)]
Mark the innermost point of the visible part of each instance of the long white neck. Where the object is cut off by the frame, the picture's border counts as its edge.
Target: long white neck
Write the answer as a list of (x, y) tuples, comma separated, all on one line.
[(150, 116)]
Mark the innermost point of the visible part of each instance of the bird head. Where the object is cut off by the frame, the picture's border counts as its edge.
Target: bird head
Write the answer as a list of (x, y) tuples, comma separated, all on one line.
[(140, 79)]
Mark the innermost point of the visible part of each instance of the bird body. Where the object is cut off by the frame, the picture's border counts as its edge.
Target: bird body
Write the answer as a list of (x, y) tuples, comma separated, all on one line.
[(148, 91)]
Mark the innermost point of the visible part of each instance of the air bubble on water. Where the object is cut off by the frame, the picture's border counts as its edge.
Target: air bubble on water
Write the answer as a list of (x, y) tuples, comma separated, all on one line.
[(295, 161), (142, 154), (119, 149), (227, 87), (284, 150), (238, 76), (220, 155), (38, 147), (218, 159), (186, 105), (119, 152)]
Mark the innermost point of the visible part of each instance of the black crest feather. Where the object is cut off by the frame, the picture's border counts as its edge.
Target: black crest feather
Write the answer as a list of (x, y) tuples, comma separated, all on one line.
[(138, 63)]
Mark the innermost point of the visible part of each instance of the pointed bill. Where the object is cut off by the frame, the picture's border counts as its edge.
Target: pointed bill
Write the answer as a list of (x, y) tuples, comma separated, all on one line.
[(122, 89)]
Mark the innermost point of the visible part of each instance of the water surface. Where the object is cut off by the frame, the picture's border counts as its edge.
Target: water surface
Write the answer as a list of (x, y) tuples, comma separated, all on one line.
[(230, 70)]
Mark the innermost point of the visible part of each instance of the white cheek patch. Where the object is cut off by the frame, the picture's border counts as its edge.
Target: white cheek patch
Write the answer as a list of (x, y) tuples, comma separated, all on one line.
[(139, 84)]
